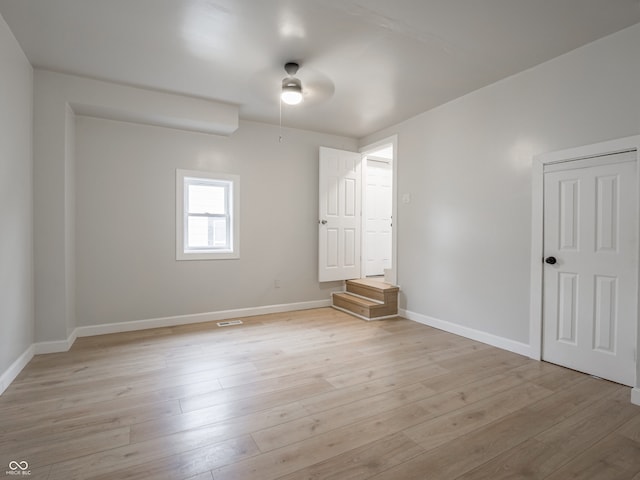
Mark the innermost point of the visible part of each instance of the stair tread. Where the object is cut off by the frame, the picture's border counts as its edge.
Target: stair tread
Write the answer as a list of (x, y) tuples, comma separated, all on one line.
[(378, 285), (357, 300)]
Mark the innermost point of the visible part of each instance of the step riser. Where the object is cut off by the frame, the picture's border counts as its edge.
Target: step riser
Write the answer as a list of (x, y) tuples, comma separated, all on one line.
[(368, 311), (362, 317), (360, 310), (387, 294), (383, 311), (365, 291)]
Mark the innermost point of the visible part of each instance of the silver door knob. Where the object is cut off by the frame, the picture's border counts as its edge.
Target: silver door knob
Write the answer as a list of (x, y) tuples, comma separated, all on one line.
[(323, 222)]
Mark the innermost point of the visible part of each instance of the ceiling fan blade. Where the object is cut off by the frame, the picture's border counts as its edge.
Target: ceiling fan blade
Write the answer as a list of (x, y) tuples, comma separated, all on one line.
[(316, 86)]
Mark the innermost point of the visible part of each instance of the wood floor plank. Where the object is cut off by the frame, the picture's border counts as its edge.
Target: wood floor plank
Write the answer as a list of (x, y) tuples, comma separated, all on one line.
[(122, 386), (289, 384), (316, 394), (355, 365), (235, 406), (471, 372), (530, 460), (481, 391), (361, 463), (631, 429), (228, 424), (120, 412), (478, 382), (486, 357), (157, 379), (310, 425), (317, 448), (613, 458), (286, 460), (127, 393), (462, 454), (137, 459), (361, 375), (21, 432), (50, 449), (336, 397), (585, 427), (310, 360), (193, 463), (540, 456), (65, 370), (442, 429), (202, 476)]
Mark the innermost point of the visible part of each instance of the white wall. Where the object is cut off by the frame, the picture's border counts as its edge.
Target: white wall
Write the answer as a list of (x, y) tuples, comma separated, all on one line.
[(16, 205), (465, 238), (53, 204), (125, 224), (70, 216), (57, 98)]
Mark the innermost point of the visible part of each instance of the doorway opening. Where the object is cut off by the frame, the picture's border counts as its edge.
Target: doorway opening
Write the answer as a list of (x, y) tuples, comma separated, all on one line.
[(378, 210)]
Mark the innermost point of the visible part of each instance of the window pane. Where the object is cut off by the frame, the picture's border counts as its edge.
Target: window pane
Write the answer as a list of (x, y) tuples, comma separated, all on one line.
[(207, 199), (219, 228), (207, 232), (198, 232)]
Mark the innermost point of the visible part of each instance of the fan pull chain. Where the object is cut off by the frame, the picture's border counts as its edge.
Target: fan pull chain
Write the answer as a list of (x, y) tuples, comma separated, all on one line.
[(280, 135)]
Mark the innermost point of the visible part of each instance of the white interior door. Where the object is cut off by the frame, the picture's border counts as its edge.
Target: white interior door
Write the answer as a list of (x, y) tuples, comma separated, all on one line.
[(340, 215), (378, 198), (591, 263)]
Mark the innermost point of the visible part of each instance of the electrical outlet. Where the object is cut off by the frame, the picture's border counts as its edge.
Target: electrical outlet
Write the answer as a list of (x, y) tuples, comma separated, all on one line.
[(276, 283)]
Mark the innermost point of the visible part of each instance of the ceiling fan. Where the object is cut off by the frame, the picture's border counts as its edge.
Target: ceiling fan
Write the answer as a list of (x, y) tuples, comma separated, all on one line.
[(291, 87), (302, 83)]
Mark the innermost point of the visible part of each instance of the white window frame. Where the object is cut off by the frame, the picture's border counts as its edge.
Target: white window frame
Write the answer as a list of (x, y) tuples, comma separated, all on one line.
[(232, 182)]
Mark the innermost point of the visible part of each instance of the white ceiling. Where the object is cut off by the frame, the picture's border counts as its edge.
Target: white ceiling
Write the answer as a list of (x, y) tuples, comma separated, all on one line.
[(384, 60)]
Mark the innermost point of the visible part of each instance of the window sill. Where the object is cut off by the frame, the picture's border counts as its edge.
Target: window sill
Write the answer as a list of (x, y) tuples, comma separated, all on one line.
[(207, 255)]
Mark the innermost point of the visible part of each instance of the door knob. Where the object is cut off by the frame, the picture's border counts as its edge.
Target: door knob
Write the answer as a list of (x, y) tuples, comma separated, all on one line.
[(551, 260), (323, 222)]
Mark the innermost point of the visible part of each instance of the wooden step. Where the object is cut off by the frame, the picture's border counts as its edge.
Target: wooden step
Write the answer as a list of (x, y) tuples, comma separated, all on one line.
[(374, 289), (363, 307)]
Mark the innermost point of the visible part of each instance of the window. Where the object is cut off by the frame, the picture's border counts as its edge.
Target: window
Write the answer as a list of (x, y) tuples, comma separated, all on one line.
[(207, 215)]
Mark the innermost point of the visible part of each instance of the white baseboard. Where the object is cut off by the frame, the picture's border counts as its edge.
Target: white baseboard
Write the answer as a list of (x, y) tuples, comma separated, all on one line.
[(15, 368), (90, 330), (64, 345), (467, 332), (56, 346), (39, 348), (635, 396)]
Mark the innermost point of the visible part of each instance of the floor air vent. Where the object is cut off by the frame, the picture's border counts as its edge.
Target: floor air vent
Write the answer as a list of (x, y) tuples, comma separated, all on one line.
[(229, 323)]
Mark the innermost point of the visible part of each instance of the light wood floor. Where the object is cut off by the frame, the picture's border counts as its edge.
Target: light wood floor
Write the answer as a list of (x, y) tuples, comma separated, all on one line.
[(312, 395)]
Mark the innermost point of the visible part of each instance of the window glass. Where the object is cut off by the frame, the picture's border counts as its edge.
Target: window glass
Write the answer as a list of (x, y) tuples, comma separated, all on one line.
[(207, 199), (206, 215)]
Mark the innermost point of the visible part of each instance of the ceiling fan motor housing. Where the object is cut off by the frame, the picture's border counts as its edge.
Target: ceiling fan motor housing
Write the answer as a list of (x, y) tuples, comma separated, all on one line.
[(291, 68)]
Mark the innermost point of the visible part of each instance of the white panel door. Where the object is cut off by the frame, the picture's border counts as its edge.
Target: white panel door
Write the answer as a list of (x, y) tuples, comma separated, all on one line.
[(340, 215), (378, 199), (591, 264)]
